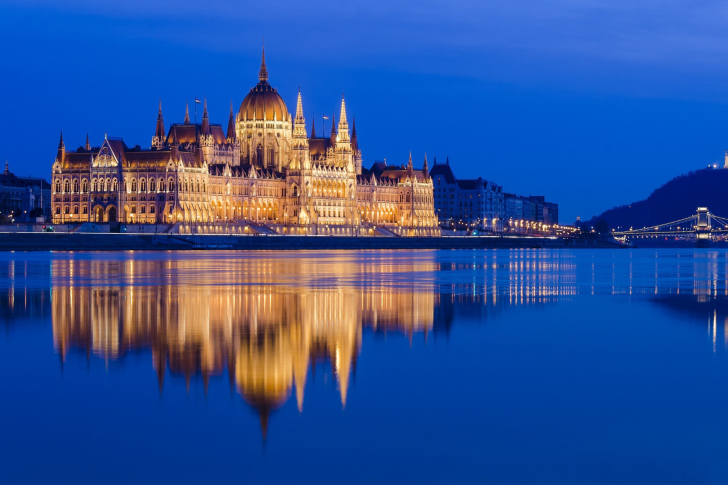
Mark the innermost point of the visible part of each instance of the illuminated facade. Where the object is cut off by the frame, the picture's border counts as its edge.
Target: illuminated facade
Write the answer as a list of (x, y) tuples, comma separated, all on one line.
[(265, 174)]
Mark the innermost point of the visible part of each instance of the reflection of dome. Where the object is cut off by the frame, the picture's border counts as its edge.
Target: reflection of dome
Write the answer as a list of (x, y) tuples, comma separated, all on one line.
[(263, 101)]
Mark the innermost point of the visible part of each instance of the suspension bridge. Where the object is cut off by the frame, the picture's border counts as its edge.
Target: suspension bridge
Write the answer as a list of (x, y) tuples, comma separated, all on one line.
[(701, 227)]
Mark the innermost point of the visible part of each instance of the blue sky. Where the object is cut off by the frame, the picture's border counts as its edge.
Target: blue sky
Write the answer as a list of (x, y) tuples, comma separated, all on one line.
[(590, 103)]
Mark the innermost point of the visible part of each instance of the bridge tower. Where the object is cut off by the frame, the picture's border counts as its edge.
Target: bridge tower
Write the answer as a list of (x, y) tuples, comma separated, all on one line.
[(703, 224)]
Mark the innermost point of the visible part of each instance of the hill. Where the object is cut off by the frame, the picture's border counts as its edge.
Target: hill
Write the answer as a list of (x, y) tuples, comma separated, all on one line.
[(678, 198)]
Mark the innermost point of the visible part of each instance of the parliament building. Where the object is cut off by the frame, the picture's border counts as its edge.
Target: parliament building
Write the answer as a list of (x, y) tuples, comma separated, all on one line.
[(265, 175)]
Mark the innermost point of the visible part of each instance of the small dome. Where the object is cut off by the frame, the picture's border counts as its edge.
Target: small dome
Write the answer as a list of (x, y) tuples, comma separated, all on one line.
[(263, 101)]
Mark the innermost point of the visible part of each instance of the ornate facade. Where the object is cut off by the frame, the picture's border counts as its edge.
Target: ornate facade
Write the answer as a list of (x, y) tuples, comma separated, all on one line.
[(266, 174)]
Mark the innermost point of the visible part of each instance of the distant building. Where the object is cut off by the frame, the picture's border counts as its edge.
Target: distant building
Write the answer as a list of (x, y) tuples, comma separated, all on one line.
[(468, 203), (522, 212), (23, 198)]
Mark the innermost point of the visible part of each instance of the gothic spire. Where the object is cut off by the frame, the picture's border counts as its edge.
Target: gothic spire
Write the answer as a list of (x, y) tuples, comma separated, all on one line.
[(313, 127), (88, 145), (342, 115), (409, 163), (354, 139), (231, 124), (205, 120), (187, 114), (263, 74), (333, 127), (425, 167), (159, 132), (7, 168), (299, 108), (60, 143), (343, 124)]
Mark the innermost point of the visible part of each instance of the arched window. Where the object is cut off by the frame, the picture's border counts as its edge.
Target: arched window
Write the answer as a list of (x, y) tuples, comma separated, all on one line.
[(143, 185), (152, 185), (114, 186), (161, 185), (84, 186), (152, 210), (67, 210), (133, 185), (58, 186), (67, 186), (85, 210), (58, 210), (133, 209), (171, 185), (75, 186), (142, 209), (203, 187), (93, 185)]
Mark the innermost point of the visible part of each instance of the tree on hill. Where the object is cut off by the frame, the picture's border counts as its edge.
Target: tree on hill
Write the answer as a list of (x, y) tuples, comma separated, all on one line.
[(678, 198)]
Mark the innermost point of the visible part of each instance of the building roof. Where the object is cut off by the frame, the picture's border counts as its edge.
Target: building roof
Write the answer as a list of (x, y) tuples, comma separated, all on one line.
[(318, 146), (444, 171), (190, 133), (470, 184)]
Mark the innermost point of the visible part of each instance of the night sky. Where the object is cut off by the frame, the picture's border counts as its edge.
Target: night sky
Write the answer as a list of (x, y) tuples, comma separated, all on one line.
[(590, 103)]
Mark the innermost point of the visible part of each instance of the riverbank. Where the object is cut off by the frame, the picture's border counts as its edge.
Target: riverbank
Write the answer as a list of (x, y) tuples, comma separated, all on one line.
[(144, 242)]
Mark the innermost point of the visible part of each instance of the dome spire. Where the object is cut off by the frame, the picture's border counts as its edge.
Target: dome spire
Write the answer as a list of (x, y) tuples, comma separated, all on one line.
[(263, 74)]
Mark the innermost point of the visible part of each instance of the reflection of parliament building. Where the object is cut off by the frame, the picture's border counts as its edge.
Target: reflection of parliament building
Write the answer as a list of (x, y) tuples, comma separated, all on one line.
[(265, 171), (265, 336)]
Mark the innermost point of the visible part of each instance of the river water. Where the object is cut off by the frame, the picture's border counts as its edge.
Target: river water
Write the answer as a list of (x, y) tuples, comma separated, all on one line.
[(501, 366)]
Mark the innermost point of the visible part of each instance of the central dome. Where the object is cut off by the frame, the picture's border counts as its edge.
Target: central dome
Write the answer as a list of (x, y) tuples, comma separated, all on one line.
[(263, 101)]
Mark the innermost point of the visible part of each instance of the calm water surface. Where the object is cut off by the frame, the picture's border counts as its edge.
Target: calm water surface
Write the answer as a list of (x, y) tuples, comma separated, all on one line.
[(523, 366)]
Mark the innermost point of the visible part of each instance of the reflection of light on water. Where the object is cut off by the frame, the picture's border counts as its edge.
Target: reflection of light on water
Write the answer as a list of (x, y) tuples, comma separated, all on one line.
[(267, 320)]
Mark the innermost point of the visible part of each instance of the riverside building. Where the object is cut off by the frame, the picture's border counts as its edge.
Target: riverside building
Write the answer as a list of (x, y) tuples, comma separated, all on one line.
[(265, 174)]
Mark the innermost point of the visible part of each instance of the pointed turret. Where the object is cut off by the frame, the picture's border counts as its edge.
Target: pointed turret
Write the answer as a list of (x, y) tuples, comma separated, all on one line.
[(205, 120), (425, 167), (299, 122), (313, 127), (300, 138), (409, 162), (187, 114), (87, 147), (263, 74), (354, 140), (7, 168), (333, 128), (231, 124), (61, 150), (343, 135), (299, 109), (159, 133)]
